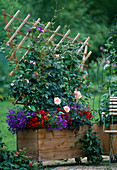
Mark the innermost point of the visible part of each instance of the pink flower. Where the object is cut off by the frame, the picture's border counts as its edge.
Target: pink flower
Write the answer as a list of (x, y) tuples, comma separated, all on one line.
[(101, 48), (108, 61), (77, 94), (66, 108), (31, 62), (57, 100)]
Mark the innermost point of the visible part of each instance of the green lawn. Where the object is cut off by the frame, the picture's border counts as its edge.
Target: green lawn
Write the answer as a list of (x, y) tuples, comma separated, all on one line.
[(7, 137)]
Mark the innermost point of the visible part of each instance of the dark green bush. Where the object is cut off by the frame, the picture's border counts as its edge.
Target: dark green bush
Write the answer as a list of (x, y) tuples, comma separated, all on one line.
[(92, 147)]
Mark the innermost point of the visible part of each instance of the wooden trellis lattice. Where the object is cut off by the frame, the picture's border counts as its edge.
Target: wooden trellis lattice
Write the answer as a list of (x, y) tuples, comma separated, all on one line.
[(13, 56)]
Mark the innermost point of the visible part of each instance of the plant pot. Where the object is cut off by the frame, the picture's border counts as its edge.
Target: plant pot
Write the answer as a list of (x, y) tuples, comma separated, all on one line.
[(41, 143)]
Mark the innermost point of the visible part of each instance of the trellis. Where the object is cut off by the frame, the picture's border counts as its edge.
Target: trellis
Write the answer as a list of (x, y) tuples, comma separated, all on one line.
[(15, 47)]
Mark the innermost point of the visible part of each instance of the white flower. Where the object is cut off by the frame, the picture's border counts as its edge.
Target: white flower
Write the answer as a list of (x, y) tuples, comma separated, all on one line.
[(27, 80), (12, 84), (34, 63), (66, 108), (77, 94), (29, 107), (57, 55), (57, 100)]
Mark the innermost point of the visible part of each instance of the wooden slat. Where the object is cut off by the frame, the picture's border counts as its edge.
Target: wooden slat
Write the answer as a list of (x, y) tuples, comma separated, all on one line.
[(18, 29), (59, 34), (113, 100), (85, 53), (9, 34), (44, 133), (113, 103), (74, 40), (61, 154), (112, 106), (83, 45), (27, 35), (52, 36), (112, 113), (12, 20), (62, 40), (44, 29), (55, 143), (88, 55), (110, 131), (113, 110), (113, 97)]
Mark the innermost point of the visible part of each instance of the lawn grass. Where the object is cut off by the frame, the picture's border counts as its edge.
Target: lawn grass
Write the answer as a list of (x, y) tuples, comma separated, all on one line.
[(8, 138)]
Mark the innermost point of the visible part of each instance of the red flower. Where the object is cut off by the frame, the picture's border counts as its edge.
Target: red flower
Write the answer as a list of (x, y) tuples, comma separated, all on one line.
[(38, 121), (30, 164)]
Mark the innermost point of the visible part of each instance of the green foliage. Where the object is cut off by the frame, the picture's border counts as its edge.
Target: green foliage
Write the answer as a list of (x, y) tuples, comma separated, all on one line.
[(110, 74), (16, 160), (86, 17), (46, 74), (92, 147)]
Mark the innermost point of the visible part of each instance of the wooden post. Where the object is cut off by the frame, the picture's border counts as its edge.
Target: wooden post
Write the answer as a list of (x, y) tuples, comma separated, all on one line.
[(9, 34), (18, 29)]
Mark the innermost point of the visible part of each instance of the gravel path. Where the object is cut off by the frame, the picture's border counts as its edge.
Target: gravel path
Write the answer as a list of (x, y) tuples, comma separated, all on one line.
[(70, 164)]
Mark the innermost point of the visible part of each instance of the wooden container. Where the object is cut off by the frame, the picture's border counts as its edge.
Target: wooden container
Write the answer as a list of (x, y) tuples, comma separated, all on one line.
[(41, 143)]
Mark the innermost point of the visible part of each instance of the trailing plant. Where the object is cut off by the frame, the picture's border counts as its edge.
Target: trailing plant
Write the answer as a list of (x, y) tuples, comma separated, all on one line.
[(91, 145)]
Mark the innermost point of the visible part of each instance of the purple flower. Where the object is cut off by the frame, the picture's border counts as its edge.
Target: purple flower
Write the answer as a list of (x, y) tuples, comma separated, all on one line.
[(29, 30), (40, 29), (17, 119)]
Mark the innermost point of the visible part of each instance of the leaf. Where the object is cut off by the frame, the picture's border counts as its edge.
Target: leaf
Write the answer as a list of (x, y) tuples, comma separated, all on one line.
[(33, 108), (39, 115)]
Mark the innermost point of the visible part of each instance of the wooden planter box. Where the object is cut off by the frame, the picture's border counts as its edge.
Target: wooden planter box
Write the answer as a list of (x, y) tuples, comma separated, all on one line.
[(43, 144)]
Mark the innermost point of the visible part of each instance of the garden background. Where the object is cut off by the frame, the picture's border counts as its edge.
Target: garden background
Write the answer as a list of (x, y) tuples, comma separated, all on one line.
[(96, 19)]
